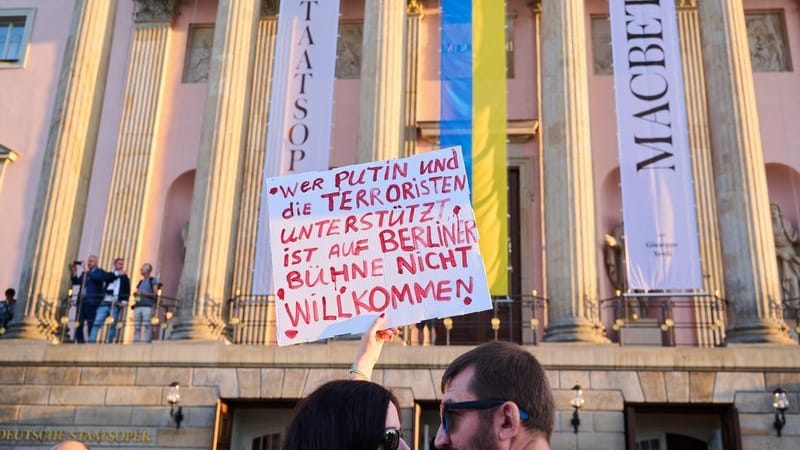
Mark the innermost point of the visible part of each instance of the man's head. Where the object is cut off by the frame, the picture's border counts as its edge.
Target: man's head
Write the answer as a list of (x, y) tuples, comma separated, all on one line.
[(91, 262), (119, 264), (10, 293), (69, 445), (511, 402), (146, 270)]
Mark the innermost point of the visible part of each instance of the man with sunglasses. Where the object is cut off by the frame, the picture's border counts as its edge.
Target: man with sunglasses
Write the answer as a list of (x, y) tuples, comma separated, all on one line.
[(495, 396)]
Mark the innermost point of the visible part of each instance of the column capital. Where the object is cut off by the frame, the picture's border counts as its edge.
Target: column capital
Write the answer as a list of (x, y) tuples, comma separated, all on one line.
[(155, 10), (269, 8), (687, 4), (535, 6), (414, 7)]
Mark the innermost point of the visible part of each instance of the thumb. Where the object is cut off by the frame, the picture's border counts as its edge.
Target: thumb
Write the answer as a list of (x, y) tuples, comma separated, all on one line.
[(379, 324)]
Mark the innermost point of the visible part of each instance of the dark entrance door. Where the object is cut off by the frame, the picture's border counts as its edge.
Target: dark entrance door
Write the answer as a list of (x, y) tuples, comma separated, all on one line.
[(682, 426), (681, 442)]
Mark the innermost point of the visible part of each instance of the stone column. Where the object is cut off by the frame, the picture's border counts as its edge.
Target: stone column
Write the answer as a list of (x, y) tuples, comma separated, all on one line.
[(380, 108), (127, 204), (207, 271), (60, 202), (413, 19), (702, 171), (568, 179), (748, 250), (255, 150), (536, 8)]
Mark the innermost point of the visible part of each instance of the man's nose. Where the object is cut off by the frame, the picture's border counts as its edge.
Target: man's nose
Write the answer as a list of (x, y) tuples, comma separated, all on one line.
[(442, 438)]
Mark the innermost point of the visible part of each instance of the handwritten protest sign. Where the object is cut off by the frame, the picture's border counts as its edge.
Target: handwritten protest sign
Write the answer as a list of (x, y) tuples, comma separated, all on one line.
[(390, 236)]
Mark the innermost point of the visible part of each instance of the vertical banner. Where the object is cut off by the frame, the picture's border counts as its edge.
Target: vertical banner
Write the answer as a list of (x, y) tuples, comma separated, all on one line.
[(473, 115), (655, 167), (301, 105), (396, 237)]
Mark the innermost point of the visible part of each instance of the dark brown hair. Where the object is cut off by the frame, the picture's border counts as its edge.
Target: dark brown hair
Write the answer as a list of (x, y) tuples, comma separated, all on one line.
[(506, 371), (341, 415)]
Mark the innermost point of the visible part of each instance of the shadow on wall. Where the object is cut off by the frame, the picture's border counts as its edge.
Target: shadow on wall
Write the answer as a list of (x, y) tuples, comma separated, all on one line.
[(177, 210)]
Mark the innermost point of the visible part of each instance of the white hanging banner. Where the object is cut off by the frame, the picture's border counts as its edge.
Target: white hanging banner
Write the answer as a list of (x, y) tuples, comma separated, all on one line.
[(301, 105), (655, 168)]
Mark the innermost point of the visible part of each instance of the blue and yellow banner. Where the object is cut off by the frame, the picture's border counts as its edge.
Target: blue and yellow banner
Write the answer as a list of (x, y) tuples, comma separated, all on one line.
[(473, 115)]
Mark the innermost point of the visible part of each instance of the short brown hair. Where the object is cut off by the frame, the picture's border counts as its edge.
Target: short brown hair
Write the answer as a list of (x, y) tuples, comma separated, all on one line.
[(506, 371)]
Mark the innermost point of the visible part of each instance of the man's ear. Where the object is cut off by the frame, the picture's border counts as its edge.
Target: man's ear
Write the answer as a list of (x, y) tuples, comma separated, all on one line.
[(507, 421)]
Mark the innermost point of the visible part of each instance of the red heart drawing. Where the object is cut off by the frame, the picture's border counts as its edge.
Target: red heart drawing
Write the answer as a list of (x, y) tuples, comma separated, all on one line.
[(290, 333), (280, 293), (467, 300), (273, 191)]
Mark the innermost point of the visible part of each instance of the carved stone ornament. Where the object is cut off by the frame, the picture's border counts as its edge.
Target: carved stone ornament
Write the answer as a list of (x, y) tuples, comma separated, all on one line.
[(155, 10), (269, 8), (414, 7)]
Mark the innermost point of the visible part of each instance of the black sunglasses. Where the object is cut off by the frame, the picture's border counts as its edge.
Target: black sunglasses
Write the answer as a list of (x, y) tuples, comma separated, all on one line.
[(391, 439), (474, 404)]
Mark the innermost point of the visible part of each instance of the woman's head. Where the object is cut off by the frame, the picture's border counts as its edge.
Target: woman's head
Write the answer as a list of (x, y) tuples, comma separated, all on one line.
[(345, 415)]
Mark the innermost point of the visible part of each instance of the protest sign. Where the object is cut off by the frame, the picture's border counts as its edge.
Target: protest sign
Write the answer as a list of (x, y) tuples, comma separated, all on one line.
[(390, 236)]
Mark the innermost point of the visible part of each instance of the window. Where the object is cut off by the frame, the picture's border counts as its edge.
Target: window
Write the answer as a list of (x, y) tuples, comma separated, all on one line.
[(766, 37), (15, 30), (198, 53), (266, 442), (649, 444)]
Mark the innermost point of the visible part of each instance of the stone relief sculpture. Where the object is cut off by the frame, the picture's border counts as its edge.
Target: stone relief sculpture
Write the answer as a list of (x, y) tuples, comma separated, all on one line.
[(601, 46), (767, 42), (348, 51), (787, 250), (198, 60)]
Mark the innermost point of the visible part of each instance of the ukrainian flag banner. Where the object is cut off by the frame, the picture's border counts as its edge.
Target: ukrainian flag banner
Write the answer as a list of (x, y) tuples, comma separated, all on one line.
[(473, 115)]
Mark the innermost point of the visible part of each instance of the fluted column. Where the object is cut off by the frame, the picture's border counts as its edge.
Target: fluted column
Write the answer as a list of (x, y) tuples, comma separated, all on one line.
[(702, 172), (536, 8), (413, 18), (207, 271), (381, 96), (748, 251), (127, 205), (60, 202), (255, 150), (569, 187)]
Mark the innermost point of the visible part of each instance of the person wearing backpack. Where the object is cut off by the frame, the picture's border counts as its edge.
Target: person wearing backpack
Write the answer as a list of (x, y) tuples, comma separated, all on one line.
[(146, 295)]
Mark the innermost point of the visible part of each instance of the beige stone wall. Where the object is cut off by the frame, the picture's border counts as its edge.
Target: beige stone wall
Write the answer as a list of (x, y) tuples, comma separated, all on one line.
[(94, 388)]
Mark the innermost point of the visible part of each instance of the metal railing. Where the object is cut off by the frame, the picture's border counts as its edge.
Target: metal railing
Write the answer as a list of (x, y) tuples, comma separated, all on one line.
[(667, 311), (59, 320), (251, 320)]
